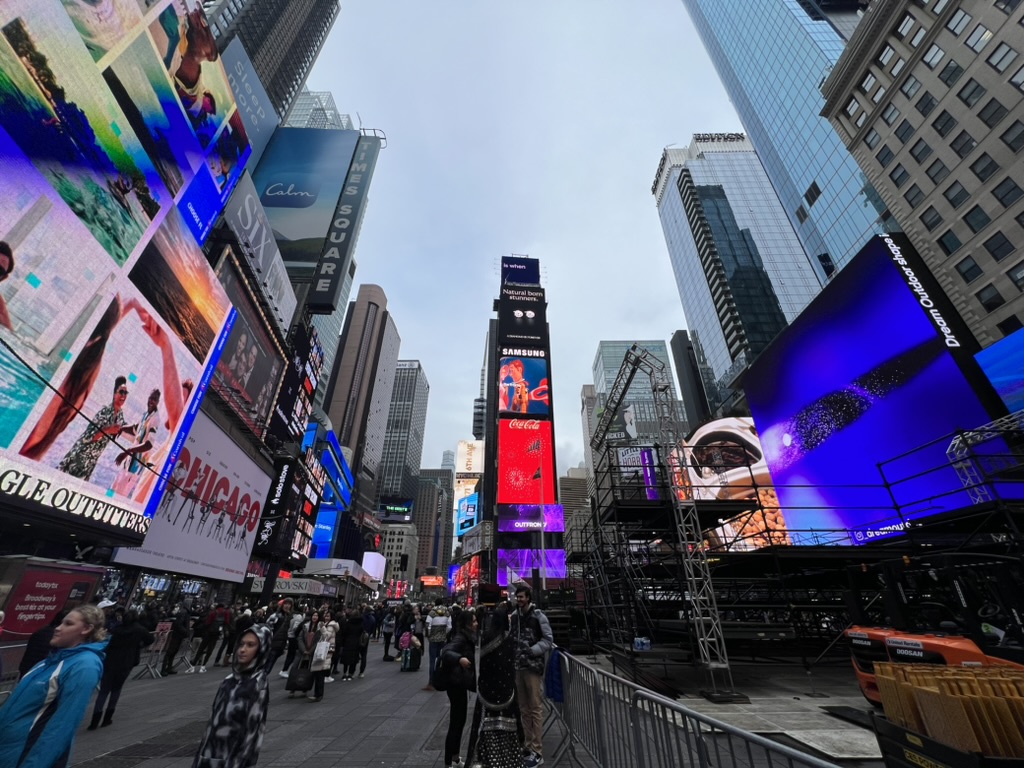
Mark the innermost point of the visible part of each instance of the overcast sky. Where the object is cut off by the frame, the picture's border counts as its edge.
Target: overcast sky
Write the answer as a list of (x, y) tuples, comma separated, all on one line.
[(530, 127)]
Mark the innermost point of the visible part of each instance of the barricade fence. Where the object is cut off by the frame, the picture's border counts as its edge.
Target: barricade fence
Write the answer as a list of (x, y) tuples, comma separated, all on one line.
[(620, 724)]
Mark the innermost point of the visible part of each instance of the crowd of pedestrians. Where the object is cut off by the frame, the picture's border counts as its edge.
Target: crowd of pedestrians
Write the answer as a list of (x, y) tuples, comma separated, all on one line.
[(94, 647)]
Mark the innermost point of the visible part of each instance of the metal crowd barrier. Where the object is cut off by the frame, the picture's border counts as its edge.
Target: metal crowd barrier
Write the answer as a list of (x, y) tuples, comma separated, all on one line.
[(10, 658), (152, 657), (619, 724)]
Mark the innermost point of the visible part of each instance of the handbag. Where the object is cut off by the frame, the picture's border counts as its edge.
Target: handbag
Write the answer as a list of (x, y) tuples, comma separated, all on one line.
[(322, 651), (300, 678)]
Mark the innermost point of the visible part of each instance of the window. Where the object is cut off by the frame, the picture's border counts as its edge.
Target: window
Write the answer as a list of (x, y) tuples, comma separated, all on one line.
[(869, 83), (998, 246), (956, 194), (1002, 57), (949, 242), (931, 218), (914, 196), (926, 104), (1013, 137), (852, 107), (940, 6), (898, 67), (976, 219), (990, 298), (861, 119), (812, 194), (885, 55), (933, 56), (944, 123), (963, 144), (951, 73), (910, 87), (984, 166), (920, 150), (905, 26), (878, 94), (905, 131), (992, 113), (971, 93), (937, 171), (884, 156), (1017, 275), (1007, 192), (1009, 325), (801, 214), (890, 114), (958, 21), (918, 37), (969, 270), (1007, 6), (1018, 79), (899, 175), (872, 139), (979, 38)]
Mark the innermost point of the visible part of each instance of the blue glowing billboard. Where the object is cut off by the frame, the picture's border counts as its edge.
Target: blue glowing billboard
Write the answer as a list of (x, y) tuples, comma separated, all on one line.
[(870, 378), (1003, 364), (515, 565), (467, 516)]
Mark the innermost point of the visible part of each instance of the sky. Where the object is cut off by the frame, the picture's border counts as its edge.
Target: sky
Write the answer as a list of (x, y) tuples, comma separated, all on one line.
[(530, 127)]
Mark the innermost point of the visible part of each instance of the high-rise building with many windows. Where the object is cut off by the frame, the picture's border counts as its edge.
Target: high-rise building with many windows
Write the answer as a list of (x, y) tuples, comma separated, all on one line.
[(608, 361), (282, 37), (399, 469), (316, 109), (741, 272), (772, 56)]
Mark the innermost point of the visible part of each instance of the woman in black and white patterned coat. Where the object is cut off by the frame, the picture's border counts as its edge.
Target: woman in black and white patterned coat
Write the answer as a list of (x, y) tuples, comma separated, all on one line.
[(235, 732)]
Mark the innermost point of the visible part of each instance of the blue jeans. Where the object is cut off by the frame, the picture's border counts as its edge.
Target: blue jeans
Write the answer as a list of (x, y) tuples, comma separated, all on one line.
[(435, 654)]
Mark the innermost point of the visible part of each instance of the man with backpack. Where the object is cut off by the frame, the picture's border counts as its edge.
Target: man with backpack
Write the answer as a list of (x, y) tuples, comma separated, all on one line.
[(217, 621), (439, 624), (531, 630)]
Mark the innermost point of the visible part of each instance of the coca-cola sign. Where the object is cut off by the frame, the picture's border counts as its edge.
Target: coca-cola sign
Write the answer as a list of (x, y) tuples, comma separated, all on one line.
[(532, 424)]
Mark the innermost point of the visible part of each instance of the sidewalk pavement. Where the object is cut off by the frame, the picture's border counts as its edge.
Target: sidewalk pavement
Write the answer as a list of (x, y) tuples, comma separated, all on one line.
[(384, 720)]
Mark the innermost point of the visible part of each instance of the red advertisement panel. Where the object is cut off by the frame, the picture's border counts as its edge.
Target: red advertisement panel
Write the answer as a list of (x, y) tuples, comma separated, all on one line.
[(41, 595), (526, 468)]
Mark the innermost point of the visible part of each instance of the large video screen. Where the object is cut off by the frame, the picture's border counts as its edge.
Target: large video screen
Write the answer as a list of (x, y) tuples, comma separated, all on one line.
[(468, 513), (517, 564), (526, 466), (1003, 364), (520, 270), (871, 374), (523, 518), (105, 294), (523, 385), (522, 316)]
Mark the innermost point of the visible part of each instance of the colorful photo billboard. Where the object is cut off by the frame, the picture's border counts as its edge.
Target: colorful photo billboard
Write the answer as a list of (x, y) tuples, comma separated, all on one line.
[(872, 370), (299, 181), (526, 465), (524, 518), (107, 296), (468, 515), (290, 415), (207, 518), (523, 386), (522, 316), (515, 565)]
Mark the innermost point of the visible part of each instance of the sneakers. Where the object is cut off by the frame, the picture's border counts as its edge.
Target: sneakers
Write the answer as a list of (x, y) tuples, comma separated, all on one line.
[(533, 760), (202, 670), (360, 675), (283, 674), (313, 698), (328, 679)]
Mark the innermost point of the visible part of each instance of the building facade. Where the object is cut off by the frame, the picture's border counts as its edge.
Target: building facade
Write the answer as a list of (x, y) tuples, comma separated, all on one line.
[(399, 469), (575, 498), (771, 57), (444, 480), (400, 545), (316, 109), (608, 361), (740, 269), (929, 97), (588, 419), (282, 37), (691, 383)]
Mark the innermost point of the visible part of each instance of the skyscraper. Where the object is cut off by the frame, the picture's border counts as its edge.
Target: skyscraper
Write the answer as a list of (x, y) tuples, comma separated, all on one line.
[(588, 419), (432, 515), (607, 363), (771, 57), (316, 109), (740, 270), (448, 460), (282, 37), (398, 473)]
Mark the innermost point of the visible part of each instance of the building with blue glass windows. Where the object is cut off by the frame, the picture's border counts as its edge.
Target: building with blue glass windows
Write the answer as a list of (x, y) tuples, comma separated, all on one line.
[(772, 56), (741, 271)]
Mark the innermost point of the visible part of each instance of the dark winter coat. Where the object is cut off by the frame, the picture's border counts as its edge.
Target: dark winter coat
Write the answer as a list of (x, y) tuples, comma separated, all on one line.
[(351, 631), (279, 624), (182, 624), (462, 645), (532, 633), (126, 641), (234, 734)]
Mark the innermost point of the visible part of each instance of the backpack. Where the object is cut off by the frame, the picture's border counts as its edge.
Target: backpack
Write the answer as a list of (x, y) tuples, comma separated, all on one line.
[(219, 621), (438, 630), (405, 641)]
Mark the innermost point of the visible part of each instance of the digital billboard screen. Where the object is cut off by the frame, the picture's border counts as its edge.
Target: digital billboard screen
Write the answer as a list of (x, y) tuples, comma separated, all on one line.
[(299, 181), (515, 565), (1003, 364), (519, 270), (526, 466), (391, 509), (523, 386), (523, 518), (468, 512), (872, 370), (522, 316), (290, 415), (249, 372), (254, 107)]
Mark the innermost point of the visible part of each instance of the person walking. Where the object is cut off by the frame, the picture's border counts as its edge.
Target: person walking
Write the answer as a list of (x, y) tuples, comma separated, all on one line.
[(180, 628), (439, 626), (240, 625), (459, 654), (369, 627), (126, 641), (323, 653), (234, 734), (305, 643), (39, 721), (351, 643), (297, 620), (279, 625), (333, 629), (388, 630), (216, 623), (531, 631)]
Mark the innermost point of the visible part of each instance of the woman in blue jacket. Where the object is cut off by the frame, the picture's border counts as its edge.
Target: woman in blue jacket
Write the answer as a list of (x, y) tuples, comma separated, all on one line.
[(39, 721)]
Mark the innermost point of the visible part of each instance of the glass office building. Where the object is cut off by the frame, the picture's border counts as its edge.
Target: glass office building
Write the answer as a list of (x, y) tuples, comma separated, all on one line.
[(772, 56), (740, 269), (608, 361)]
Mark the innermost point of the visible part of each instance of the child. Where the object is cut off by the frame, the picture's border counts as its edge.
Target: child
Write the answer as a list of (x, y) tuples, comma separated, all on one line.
[(235, 732)]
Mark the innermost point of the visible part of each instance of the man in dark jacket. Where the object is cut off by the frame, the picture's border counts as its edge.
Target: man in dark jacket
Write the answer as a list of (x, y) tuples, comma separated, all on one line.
[(279, 624), (532, 632), (179, 631)]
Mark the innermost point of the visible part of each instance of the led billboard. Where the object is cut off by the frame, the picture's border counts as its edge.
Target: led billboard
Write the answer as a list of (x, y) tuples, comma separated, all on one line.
[(1003, 364), (515, 565), (523, 386), (294, 405), (872, 370), (468, 513), (524, 518), (249, 372), (522, 316), (469, 457), (254, 107), (519, 270), (391, 509), (299, 181), (526, 466), (207, 518)]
